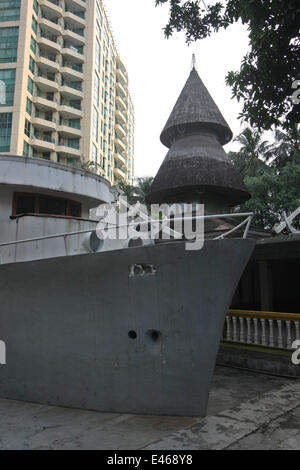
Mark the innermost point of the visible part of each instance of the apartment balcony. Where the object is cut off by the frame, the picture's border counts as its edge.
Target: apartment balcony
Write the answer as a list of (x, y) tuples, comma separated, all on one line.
[(52, 7), (120, 64), (120, 131), (121, 160), (121, 89), (122, 77), (48, 63), (69, 73), (69, 52), (76, 4), (65, 130), (44, 104), (44, 124), (50, 42), (46, 84), (120, 144), (121, 116), (64, 150), (76, 38), (42, 143), (69, 112), (76, 17), (50, 26), (71, 91), (120, 101), (119, 173)]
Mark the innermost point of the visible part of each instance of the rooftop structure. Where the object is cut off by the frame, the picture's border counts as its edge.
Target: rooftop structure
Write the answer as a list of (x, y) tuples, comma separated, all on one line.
[(196, 168)]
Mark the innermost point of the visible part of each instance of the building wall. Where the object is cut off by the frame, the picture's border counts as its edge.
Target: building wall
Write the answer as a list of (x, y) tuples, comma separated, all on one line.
[(65, 48)]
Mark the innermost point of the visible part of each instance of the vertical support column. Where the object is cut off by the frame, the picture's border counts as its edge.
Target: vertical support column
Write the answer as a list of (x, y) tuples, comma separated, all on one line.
[(265, 284)]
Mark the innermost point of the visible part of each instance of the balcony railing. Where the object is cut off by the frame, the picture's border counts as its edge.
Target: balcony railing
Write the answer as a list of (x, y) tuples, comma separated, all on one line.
[(80, 14), (74, 85), (44, 138), (47, 76), (76, 67), (77, 50), (71, 145), (44, 117), (269, 329), (53, 58), (50, 38), (71, 105)]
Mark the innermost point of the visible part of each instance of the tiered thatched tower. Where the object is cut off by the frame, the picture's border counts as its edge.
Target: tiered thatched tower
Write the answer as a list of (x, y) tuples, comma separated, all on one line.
[(196, 168)]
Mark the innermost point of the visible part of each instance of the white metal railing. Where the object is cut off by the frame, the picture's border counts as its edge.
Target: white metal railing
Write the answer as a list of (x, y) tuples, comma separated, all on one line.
[(270, 329), (246, 222)]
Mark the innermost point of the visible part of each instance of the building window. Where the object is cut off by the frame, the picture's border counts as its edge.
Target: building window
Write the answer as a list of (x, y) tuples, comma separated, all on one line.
[(75, 123), (96, 89), (27, 128), (26, 149), (7, 87), (98, 56), (30, 85), (27, 203), (31, 65), (98, 30), (95, 125), (99, 13), (10, 10), (5, 131), (9, 44), (95, 154), (34, 25), (36, 6), (29, 106), (33, 45)]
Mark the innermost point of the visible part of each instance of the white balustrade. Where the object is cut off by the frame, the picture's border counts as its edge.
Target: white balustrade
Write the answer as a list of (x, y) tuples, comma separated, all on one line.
[(269, 329)]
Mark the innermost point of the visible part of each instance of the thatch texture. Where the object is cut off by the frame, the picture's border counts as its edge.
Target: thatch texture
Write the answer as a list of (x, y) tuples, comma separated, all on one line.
[(196, 163)]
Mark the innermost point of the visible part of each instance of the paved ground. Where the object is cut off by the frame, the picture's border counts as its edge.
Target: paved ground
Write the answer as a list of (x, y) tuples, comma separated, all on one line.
[(246, 411)]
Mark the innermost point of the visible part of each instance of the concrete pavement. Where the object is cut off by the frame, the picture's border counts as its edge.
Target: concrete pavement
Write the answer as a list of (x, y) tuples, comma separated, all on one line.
[(246, 411)]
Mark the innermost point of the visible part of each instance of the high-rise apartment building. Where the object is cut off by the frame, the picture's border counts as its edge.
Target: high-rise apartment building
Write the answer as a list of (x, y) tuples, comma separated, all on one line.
[(63, 87)]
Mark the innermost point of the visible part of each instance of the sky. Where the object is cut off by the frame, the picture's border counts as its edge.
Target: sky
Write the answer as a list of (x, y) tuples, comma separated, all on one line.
[(158, 69)]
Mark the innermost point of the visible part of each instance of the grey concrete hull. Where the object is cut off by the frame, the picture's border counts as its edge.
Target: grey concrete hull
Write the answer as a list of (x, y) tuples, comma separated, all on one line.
[(65, 322)]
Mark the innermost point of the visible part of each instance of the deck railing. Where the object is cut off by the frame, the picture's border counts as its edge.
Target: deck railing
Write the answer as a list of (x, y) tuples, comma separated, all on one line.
[(270, 329)]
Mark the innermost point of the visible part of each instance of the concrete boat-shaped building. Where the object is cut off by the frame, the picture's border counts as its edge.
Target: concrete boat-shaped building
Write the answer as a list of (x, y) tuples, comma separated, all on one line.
[(87, 329)]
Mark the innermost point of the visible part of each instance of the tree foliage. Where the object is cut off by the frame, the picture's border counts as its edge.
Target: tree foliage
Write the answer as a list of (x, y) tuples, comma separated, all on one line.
[(138, 191), (274, 187), (269, 69)]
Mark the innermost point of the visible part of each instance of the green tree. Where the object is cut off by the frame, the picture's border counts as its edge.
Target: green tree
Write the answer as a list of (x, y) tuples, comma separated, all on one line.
[(269, 69), (285, 149), (249, 159), (142, 187), (138, 191), (129, 192), (275, 187)]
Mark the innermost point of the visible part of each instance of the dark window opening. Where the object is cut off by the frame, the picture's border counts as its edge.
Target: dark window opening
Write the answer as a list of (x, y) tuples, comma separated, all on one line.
[(25, 203)]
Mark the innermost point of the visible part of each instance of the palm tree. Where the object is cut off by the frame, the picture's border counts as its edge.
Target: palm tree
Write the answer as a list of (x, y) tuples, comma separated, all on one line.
[(285, 149), (142, 188), (137, 192), (253, 151), (129, 192)]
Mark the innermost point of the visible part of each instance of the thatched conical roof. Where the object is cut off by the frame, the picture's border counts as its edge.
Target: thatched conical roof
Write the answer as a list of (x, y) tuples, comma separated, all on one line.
[(195, 107), (196, 167)]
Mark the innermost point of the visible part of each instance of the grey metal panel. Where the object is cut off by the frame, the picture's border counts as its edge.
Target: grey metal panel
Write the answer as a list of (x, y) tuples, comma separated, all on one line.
[(65, 322)]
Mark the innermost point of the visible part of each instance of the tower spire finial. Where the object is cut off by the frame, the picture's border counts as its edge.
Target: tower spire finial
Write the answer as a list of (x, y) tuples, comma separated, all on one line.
[(193, 62)]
